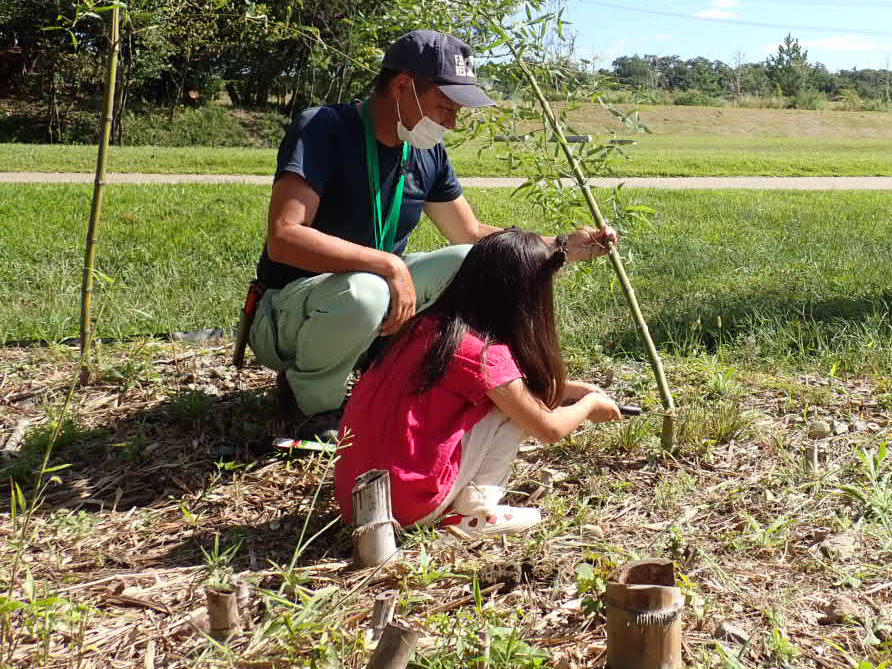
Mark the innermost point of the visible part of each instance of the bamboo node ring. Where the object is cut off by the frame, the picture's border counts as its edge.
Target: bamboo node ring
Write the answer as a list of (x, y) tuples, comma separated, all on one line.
[(650, 618), (368, 527)]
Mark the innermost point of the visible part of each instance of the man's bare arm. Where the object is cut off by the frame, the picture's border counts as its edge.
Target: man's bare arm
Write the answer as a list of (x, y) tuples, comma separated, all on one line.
[(292, 240), (457, 222)]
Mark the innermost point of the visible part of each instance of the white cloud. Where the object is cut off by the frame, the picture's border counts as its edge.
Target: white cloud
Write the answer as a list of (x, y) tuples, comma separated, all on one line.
[(605, 56), (615, 49), (846, 43), (726, 4), (715, 14)]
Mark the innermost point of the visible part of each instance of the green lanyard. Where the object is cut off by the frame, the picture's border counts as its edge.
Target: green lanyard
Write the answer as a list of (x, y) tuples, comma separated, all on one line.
[(384, 230)]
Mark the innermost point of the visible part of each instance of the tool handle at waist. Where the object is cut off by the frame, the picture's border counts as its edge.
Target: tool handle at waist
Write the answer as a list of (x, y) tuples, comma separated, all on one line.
[(255, 293)]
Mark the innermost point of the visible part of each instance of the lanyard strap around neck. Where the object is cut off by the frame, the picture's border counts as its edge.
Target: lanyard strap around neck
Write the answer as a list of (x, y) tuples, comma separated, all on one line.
[(385, 230)]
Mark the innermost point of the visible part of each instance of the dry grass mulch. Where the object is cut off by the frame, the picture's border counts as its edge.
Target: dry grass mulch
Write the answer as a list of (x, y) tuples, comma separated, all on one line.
[(168, 490)]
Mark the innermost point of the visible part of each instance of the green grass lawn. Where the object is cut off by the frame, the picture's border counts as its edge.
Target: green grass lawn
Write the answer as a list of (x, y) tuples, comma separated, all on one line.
[(690, 155), (158, 159), (656, 155), (797, 275)]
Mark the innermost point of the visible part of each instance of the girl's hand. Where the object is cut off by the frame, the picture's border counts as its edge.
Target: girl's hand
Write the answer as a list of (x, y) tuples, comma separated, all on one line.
[(604, 410), (576, 390)]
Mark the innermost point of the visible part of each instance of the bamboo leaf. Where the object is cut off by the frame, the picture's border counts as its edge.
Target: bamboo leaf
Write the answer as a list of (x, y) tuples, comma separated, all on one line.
[(56, 468), (8, 605), (20, 496)]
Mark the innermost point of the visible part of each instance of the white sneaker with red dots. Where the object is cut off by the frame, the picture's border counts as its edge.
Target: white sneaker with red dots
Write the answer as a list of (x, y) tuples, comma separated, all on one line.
[(503, 520)]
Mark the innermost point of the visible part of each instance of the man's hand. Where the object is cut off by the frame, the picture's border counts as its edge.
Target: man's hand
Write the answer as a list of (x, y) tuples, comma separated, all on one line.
[(589, 243), (402, 297)]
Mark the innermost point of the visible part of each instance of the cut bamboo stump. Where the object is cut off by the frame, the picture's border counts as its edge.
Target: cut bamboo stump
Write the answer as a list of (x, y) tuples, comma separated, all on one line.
[(223, 615), (810, 455), (374, 539), (485, 642), (644, 617), (382, 613), (395, 647)]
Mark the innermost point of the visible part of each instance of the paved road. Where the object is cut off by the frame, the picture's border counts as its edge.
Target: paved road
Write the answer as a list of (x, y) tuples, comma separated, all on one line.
[(675, 183)]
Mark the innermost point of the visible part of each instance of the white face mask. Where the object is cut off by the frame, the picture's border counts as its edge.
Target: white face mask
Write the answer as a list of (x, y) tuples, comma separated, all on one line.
[(426, 134)]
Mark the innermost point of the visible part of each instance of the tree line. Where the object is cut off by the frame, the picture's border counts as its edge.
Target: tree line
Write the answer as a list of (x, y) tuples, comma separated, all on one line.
[(289, 54), (285, 53), (787, 74)]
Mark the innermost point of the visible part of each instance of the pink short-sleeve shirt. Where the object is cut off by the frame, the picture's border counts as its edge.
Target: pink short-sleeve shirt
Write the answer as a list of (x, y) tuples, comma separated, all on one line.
[(417, 438)]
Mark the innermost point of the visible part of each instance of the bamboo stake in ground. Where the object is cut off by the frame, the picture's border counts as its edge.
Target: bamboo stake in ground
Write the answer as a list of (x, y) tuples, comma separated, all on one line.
[(98, 189), (382, 613), (644, 617), (223, 614), (374, 541), (485, 642), (615, 260), (395, 647)]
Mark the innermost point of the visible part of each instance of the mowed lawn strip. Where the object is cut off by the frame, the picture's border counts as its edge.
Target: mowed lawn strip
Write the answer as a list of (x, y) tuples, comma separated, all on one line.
[(802, 274), (701, 155), (655, 155), (145, 159)]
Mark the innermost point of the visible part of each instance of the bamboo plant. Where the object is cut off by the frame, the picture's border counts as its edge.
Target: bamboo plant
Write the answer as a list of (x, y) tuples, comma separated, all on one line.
[(87, 331), (524, 42)]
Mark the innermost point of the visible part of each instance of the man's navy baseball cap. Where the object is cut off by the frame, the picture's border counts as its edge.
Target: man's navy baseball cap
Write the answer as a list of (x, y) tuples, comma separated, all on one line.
[(442, 58)]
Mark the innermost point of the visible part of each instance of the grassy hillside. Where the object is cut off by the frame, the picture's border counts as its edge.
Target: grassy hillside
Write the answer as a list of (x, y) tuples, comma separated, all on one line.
[(731, 121)]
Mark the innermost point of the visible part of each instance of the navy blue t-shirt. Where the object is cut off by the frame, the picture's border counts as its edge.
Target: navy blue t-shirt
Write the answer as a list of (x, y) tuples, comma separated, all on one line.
[(326, 146)]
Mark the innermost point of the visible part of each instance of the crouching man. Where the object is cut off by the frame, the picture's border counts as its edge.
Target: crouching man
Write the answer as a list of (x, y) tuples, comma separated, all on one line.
[(351, 183)]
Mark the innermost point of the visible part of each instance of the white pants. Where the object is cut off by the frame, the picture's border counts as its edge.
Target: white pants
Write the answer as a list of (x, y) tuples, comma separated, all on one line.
[(487, 452)]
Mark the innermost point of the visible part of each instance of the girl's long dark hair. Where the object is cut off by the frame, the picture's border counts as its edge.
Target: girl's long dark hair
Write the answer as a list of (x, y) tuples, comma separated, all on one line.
[(503, 292)]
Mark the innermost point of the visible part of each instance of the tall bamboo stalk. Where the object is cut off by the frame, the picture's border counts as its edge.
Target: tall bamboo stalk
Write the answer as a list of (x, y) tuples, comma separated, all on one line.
[(87, 332), (615, 259)]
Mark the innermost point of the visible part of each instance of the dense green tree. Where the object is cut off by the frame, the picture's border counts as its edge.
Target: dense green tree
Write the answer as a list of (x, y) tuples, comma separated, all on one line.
[(675, 75), (633, 71), (821, 79), (291, 52), (788, 69)]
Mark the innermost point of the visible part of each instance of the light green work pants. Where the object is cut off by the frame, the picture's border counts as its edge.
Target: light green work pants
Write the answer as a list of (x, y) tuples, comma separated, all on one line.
[(315, 329)]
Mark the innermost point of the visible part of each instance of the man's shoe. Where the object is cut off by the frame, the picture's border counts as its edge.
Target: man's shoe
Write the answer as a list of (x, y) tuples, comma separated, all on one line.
[(319, 427), (287, 401)]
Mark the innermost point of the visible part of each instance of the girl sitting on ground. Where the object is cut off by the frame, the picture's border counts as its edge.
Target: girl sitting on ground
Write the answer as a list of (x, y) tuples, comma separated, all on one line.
[(445, 409)]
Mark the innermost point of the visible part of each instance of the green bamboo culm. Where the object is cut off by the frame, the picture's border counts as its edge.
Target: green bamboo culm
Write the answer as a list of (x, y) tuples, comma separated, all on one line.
[(668, 431), (87, 329)]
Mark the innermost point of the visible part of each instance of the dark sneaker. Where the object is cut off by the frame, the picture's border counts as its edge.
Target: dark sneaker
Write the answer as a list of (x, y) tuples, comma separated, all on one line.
[(320, 427)]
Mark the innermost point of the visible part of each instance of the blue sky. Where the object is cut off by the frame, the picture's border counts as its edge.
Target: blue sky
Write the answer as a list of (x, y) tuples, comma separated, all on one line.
[(841, 34)]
